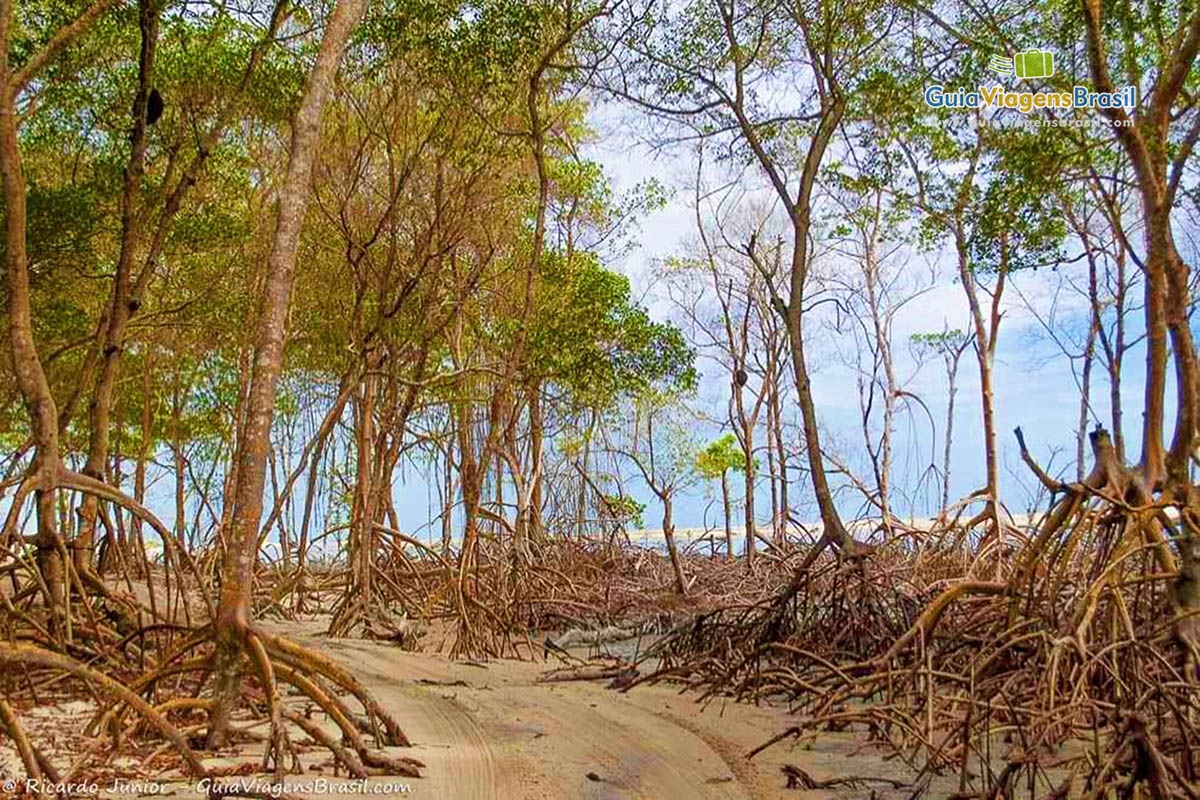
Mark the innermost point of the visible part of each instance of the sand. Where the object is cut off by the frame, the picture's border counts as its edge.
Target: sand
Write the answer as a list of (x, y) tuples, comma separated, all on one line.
[(496, 731)]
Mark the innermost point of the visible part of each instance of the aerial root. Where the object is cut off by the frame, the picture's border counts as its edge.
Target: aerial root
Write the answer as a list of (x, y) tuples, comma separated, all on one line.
[(293, 663), (279, 745), (362, 757), (298, 656), (1073, 641), (36, 765), (27, 655), (274, 659), (347, 758)]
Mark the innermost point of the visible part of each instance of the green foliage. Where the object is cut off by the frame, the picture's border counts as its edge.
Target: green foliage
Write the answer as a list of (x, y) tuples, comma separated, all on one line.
[(62, 224), (590, 338), (484, 41), (937, 342), (720, 456), (688, 62), (627, 510)]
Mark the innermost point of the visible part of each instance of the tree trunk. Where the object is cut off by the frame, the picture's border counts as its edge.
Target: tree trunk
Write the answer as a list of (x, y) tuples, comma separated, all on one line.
[(1085, 392), (985, 348), (781, 457), (1118, 357), (27, 366), (146, 448), (834, 532), (748, 472), (951, 392), (772, 469), (883, 345), (234, 611), (728, 521), (536, 434), (179, 463), (469, 483), (362, 530), (799, 206), (448, 500), (672, 551), (122, 305)]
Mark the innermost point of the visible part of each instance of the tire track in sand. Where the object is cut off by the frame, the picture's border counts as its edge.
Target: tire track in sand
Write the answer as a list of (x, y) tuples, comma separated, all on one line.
[(504, 735)]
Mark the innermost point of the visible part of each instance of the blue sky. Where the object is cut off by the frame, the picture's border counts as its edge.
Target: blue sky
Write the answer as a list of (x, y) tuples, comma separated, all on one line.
[(1034, 385)]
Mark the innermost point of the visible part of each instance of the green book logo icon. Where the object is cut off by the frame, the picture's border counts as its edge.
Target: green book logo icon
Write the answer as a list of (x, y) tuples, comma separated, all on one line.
[(1032, 63)]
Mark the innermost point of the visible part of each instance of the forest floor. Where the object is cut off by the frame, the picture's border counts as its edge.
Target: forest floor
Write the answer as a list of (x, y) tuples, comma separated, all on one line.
[(495, 730)]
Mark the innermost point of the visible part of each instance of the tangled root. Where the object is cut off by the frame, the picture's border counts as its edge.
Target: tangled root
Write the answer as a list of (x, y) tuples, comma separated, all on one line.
[(310, 674)]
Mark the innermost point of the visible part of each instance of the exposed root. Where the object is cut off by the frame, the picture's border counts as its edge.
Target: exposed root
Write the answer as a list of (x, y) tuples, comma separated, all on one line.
[(1079, 643), (28, 656), (274, 659)]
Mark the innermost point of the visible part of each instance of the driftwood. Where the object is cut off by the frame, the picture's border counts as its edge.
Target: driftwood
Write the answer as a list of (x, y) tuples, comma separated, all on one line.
[(586, 673)]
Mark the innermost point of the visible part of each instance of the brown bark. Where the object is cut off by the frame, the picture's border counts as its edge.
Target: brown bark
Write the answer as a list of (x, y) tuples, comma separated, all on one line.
[(234, 612), (798, 204), (834, 532), (27, 366), (122, 304), (1158, 167), (469, 482), (363, 516), (536, 434), (726, 510), (1158, 170), (985, 350), (672, 551)]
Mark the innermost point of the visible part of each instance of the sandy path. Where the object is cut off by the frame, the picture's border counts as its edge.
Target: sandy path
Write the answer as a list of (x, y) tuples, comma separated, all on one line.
[(493, 731), (505, 735)]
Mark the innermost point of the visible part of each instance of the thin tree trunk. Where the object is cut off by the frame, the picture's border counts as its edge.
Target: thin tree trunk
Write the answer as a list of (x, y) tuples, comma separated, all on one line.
[(448, 500), (1089, 356), (310, 493), (951, 393), (536, 434), (237, 427), (122, 304), (883, 467), (669, 534), (469, 487), (234, 611), (1114, 367), (727, 510), (126, 543), (985, 344), (772, 469), (748, 470), (365, 492), (27, 366), (782, 458), (179, 463)]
